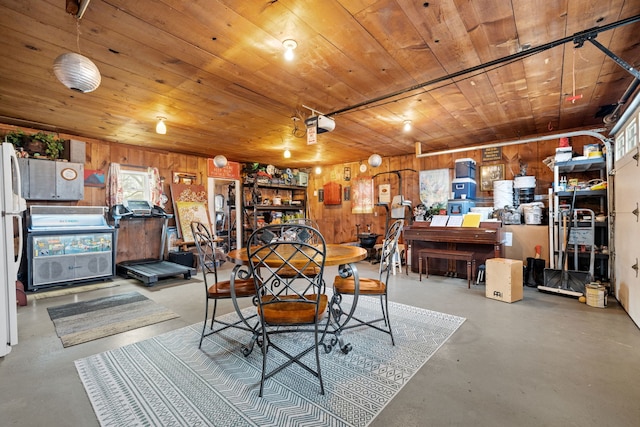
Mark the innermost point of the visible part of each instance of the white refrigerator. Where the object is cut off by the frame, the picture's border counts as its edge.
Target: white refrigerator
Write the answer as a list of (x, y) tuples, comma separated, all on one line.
[(11, 207)]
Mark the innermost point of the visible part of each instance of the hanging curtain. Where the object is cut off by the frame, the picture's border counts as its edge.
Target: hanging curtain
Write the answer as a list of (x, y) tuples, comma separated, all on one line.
[(155, 184), (114, 191)]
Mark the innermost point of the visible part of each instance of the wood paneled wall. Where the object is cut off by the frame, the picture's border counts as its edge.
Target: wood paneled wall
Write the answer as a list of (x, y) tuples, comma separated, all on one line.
[(336, 222)]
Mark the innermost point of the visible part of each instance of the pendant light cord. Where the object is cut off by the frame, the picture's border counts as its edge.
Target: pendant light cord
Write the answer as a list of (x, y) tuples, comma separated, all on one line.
[(78, 35)]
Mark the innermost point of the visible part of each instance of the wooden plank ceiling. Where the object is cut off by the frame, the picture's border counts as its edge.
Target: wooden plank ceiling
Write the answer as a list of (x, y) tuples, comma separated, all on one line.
[(215, 70)]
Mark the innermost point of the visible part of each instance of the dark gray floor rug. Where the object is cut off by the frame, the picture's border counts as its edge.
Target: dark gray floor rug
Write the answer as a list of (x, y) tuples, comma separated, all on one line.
[(167, 380), (84, 321)]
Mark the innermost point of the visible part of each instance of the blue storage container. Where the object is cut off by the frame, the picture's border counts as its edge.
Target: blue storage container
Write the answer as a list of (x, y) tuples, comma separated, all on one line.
[(463, 186), (466, 168), (459, 206)]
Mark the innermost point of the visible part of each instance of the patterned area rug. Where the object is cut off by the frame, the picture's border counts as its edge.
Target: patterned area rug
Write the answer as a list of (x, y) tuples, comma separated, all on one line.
[(166, 380), (85, 321)]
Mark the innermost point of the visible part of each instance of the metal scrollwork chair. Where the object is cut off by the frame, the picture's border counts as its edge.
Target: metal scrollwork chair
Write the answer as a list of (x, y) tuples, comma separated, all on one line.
[(240, 285), (290, 299), (345, 284)]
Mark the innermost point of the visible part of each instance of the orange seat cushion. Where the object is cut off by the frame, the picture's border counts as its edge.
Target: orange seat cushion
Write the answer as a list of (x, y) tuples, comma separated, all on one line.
[(367, 286), (293, 312), (244, 288)]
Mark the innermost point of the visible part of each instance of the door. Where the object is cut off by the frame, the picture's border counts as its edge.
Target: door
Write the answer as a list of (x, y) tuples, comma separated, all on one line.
[(627, 229)]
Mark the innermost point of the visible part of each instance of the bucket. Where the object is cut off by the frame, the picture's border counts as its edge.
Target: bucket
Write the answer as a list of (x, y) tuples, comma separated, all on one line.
[(526, 195), (532, 213), (596, 295), (524, 182), (502, 194)]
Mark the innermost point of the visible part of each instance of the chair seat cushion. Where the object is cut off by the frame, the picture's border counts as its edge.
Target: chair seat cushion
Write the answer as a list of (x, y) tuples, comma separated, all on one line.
[(367, 286), (290, 312), (244, 288)]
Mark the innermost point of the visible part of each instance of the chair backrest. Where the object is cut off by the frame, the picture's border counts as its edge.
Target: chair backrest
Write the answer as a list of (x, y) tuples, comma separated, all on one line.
[(389, 248), (206, 249), (274, 251)]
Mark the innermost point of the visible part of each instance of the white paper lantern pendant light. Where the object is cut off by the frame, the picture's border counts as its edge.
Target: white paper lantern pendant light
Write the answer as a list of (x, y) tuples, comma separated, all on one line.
[(75, 71)]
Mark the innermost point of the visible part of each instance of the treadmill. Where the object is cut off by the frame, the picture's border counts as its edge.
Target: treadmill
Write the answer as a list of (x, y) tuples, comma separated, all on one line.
[(148, 271)]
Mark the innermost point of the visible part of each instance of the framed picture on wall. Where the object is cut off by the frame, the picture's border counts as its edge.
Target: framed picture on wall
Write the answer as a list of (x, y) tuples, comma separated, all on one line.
[(490, 173)]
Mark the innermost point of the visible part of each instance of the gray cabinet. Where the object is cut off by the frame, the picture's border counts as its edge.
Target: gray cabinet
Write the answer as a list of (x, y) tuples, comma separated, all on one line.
[(50, 180)]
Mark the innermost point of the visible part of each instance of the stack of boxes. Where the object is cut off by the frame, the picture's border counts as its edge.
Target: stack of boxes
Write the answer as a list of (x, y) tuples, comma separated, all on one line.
[(463, 188)]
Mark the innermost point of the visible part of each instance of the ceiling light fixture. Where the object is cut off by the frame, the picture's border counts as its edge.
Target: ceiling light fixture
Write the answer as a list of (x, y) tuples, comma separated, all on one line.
[(318, 170), (289, 45), (407, 125), (161, 127), (375, 160), (220, 161), (287, 154), (75, 71)]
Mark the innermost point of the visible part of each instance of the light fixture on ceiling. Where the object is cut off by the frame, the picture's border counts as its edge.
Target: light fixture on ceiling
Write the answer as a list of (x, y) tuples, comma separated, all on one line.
[(161, 127), (287, 154), (75, 71), (318, 170), (375, 160), (220, 161), (407, 125), (289, 45)]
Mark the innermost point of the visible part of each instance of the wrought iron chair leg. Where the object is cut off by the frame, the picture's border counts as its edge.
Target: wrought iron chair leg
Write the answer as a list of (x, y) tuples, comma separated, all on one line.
[(204, 324), (213, 316)]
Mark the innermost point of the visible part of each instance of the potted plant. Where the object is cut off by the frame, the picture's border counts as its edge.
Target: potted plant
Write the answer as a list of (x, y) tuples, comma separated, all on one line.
[(48, 143), (16, 137)]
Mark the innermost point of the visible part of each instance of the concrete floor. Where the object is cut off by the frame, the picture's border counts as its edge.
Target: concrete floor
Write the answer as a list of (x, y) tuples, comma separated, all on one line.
[(545, 361)]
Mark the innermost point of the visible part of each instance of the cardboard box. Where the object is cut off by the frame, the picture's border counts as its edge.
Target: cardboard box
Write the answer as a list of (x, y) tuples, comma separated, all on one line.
[(504, 279)]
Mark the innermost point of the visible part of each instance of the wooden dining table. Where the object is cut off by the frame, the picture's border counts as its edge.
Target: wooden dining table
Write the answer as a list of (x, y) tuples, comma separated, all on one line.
[(346, 258), (336, 255)]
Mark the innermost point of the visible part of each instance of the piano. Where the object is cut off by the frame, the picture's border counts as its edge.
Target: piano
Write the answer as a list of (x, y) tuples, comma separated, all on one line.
[(487, 241)]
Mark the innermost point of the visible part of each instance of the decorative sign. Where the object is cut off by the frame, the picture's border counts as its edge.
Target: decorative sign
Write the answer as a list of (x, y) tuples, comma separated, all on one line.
[(362, 195), (490, 173), (69, 174), (384, 193), (491, 154), (230, 171), (312, 134)]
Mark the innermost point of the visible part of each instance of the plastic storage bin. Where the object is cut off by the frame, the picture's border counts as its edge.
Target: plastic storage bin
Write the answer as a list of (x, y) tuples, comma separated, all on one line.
[(466, 168), (459, 206), (463, 188)]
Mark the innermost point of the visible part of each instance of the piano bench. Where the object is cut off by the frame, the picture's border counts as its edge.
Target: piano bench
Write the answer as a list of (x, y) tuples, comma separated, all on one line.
[(447, 254)]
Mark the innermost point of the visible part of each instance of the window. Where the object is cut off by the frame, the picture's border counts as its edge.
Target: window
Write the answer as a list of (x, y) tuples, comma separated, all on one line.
[(135, 185)]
